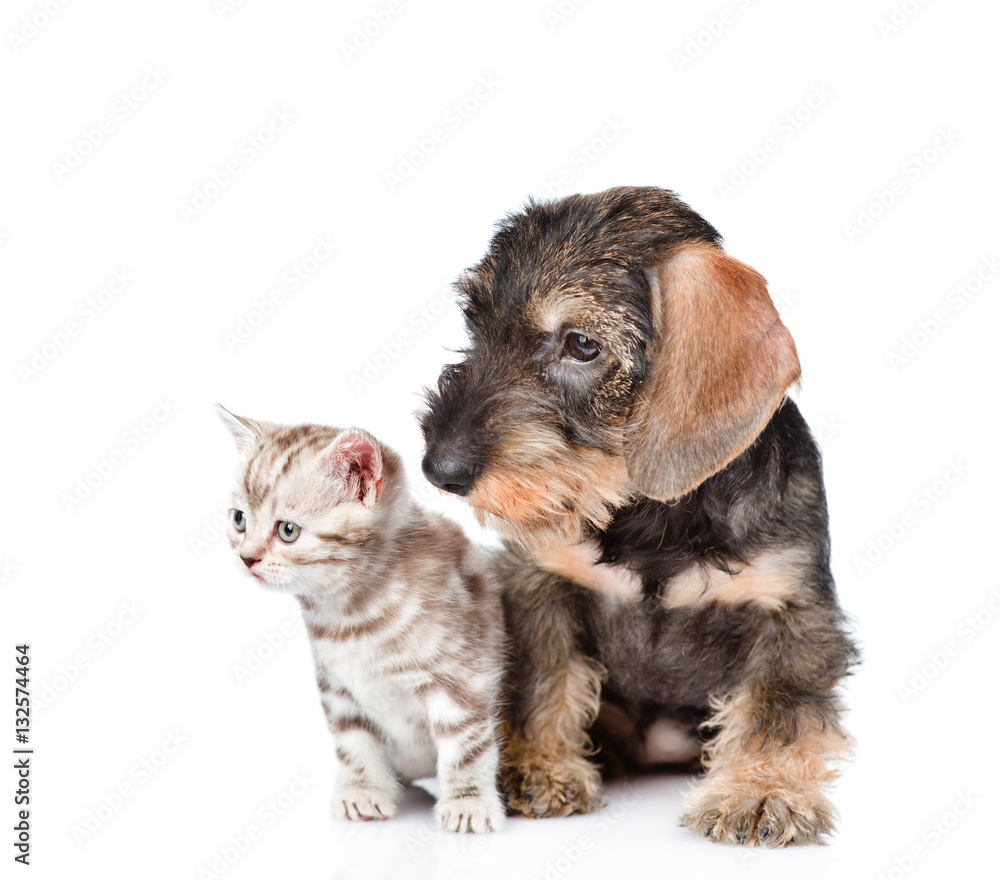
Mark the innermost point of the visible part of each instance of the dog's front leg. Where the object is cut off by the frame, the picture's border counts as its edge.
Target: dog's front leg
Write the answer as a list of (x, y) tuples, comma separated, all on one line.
[(778, 736), (552, 698)]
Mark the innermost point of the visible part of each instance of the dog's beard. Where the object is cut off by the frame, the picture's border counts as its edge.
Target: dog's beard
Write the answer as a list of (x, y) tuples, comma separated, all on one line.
[(558, 497)]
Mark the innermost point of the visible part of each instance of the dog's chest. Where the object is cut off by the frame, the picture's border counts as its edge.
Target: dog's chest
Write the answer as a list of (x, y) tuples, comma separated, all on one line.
[(669, 657)]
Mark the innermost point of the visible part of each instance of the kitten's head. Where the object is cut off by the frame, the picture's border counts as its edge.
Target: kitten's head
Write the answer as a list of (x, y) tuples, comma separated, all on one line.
[(311, 504)]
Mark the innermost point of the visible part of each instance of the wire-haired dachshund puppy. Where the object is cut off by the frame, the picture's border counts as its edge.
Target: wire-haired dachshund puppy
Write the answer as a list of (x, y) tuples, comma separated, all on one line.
[(620, 418)]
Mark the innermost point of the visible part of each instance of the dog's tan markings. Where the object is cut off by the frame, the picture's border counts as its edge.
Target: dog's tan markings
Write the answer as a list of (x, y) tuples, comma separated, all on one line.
[(540, 488), (768, 580), (546, 780), (565, 308), (512, 499), (545, 768), (579, 564), (721, 366), (765, 791), (549, 314)]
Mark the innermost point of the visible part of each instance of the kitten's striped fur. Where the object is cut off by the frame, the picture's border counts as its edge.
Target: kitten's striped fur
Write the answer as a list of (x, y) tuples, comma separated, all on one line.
[(403, 614)]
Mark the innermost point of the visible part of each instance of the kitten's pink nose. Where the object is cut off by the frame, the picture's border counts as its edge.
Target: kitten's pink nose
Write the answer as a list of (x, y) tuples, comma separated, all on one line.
[(248, 561)]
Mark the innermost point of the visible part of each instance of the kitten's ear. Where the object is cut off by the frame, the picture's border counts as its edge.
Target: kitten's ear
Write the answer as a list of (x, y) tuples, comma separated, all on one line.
[(354, 460), (245, 431)]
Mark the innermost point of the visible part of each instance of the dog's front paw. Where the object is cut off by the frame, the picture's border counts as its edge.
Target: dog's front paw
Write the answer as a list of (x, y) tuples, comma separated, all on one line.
[(475, 814), (748, 817), (539, 788), (366, 804)]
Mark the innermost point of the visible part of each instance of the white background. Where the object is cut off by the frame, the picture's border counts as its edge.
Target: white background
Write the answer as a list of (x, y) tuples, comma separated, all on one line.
[(606, 94)]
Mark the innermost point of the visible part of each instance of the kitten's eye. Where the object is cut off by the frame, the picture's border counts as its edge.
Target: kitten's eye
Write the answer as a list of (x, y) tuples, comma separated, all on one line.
[(239, 521), (288, 532), (580, 347)]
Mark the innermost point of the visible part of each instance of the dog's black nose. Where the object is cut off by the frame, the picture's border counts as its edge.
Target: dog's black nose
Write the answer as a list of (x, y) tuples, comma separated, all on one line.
[(449, 471)]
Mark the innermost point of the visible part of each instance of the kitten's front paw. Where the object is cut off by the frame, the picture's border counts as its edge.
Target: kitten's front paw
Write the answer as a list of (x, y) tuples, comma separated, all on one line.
[(354, 802), (476, 814)]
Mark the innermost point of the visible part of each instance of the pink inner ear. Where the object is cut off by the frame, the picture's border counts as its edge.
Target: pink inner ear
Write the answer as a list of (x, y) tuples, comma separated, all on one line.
[(357, 462)]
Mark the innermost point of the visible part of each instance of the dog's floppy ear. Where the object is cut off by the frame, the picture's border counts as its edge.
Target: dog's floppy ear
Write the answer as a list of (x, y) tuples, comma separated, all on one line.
[(719, 367)]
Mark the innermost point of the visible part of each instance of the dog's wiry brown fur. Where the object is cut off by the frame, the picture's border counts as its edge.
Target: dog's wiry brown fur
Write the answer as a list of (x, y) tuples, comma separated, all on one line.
[(668, 544), (536, 492), (760, 790)]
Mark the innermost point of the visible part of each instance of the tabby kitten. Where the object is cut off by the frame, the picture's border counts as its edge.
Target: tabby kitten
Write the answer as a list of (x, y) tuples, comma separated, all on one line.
[(403, 613)]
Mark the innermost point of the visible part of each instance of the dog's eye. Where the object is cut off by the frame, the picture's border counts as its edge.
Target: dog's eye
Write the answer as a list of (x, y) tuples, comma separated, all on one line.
[(580, 347)]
